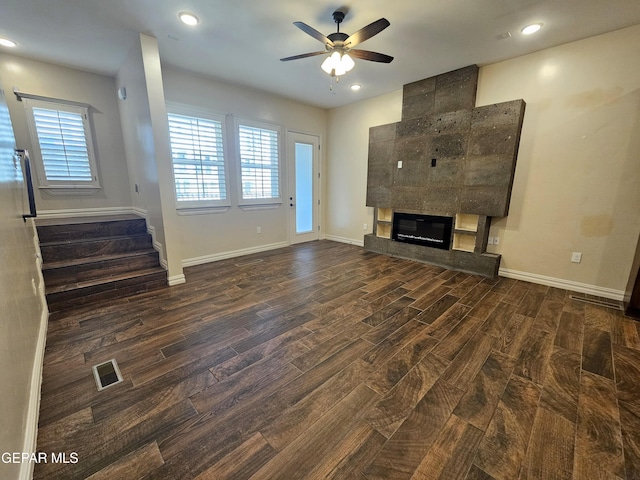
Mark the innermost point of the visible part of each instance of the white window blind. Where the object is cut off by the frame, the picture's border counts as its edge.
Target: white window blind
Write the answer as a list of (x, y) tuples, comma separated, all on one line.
[(64, 147), (197, 151), (259, 163)]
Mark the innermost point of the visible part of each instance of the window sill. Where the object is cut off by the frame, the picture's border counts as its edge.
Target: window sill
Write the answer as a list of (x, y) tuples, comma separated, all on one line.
[(58, 191), (260, 206), (185, 211)]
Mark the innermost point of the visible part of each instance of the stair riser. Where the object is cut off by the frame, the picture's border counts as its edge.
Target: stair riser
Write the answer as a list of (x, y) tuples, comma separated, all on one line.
[(62, 233), (81, 273), (53, 253), (109, 291)]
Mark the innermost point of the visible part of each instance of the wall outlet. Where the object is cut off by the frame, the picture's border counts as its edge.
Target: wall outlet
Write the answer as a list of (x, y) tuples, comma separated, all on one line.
[(576, 257), (490, 241), (258, 229), (496, 240), (399, 163), (364, 227)]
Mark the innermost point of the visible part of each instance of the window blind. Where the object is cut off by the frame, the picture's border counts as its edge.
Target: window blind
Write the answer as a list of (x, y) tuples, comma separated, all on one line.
[(63, 145), (259, 162), (198, 158)]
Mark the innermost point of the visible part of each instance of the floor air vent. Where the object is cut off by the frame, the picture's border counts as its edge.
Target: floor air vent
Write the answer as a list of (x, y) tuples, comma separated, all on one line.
[(107, 374), (600, 302)]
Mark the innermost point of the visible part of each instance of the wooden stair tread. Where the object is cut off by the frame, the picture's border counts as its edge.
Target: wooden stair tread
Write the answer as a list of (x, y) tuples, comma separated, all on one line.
[(96, 259), (88, 259), (47, 222), (91, 240), (103, 280)]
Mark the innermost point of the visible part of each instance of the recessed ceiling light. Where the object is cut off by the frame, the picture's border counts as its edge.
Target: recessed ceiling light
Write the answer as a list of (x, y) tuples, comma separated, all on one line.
[(355, 87), (188, 18), (5, 42), (533, 28)]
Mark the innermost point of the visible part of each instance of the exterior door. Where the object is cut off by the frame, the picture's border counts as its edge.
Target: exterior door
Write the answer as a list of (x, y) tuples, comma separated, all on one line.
[(302, 200)]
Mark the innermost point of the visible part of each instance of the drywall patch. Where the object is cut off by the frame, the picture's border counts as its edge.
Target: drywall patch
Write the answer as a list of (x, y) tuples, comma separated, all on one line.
[(596, 225), (594, 98)]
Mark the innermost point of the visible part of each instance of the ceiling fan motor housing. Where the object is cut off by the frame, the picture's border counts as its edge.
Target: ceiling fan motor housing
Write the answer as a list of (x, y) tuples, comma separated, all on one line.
[(338, 17), (337, 38)]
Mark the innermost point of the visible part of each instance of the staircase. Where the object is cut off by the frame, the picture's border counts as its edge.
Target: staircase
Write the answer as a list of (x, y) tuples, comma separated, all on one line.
[(97, 258)]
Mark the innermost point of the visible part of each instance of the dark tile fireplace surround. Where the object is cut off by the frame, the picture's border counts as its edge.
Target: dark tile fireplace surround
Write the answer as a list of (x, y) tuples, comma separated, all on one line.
[(445, 158)]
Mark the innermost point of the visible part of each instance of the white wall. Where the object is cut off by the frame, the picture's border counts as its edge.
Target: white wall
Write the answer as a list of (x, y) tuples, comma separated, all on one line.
[(214, 235), (23, 314), (576, 187), (346, 213), (576, 183), (99, 91)]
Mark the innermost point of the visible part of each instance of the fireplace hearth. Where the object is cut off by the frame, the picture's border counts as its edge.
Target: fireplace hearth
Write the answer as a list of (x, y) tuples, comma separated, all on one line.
[(427, 230)]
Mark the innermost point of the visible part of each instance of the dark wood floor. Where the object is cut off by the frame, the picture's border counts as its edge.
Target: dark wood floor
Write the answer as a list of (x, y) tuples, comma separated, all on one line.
[(326, 361)]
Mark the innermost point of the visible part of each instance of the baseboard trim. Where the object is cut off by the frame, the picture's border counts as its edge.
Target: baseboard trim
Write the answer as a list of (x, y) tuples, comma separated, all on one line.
[(139, 211), (595, 290), (350, 241), (33, 412), (85, 212), (191, 262), (176, 280), (151, 230)]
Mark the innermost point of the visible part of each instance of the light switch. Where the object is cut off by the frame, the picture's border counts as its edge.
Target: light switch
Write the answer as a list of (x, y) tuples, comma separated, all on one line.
[(399, 163)]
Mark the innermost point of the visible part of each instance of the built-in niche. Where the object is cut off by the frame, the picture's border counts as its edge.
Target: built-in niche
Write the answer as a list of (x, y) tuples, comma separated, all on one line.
[(445, 158)]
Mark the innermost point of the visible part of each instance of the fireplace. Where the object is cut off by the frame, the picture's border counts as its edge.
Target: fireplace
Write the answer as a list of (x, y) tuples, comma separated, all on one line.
[(427, 230)]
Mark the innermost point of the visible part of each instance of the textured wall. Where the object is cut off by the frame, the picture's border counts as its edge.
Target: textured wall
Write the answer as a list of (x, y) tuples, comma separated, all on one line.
[(455, 158)]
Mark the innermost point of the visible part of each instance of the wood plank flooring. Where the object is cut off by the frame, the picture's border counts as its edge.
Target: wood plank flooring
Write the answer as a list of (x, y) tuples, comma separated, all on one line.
[(324, 361)]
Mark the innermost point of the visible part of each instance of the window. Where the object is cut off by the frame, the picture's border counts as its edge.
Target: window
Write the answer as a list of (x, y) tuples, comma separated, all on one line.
[(61, 138), (197, 151), (259, 153)]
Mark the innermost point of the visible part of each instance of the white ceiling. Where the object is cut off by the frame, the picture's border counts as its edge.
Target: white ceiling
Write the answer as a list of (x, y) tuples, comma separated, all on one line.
[(241, 41)]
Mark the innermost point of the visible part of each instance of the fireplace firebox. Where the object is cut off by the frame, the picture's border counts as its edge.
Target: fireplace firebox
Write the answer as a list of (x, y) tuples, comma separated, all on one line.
[(427, 230)]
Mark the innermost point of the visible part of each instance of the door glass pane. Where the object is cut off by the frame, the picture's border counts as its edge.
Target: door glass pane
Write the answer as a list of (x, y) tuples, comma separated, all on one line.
[(304, 187)]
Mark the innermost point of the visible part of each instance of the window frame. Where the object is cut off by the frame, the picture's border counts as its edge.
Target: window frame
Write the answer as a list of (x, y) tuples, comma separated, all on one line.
[(270, 201), (64, 186), (186, 206)]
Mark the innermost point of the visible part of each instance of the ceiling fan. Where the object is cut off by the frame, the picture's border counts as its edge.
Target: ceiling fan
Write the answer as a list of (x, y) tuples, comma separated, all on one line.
[(340, 45)]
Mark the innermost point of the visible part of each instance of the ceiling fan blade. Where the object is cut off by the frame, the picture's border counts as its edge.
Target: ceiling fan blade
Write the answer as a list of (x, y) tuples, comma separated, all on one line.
[(314, 33), (367, 32), (303, 55), (371, 56)]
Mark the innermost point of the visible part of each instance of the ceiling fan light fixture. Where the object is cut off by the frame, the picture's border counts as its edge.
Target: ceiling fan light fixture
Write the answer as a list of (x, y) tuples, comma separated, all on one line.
[(337, 64), (328, 65), (347, 62), (188, 18)]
